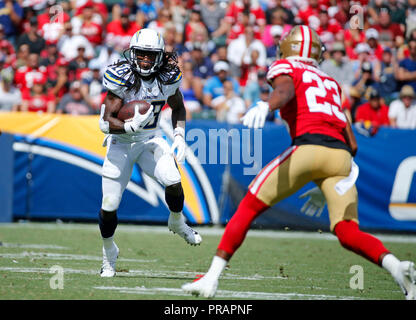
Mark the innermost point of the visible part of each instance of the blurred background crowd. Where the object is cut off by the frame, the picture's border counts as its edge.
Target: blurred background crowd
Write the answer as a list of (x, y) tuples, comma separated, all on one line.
[(53, 53)]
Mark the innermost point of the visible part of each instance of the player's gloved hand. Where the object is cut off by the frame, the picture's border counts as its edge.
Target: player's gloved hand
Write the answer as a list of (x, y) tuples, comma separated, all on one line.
[(256, 116), (138, 121), (315, 204), (179, 144)]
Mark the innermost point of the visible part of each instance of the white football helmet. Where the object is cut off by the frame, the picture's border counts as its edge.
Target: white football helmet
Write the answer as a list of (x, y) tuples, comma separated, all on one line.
[(150, 41)]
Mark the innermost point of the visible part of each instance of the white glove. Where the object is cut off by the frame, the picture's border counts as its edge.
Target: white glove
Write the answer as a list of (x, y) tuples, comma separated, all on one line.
[(179, 144), (256, 116), (139, 120), (315, 203)]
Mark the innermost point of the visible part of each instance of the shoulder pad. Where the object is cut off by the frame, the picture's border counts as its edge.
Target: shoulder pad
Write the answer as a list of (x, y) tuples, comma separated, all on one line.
[(118, 75), (171, 77)]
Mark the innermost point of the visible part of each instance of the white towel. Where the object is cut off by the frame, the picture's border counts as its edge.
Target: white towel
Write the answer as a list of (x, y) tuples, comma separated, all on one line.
[(345, 184)]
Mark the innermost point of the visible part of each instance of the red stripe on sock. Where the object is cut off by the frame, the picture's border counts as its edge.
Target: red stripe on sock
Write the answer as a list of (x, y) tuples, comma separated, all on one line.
[(235, 232), (364, 244)]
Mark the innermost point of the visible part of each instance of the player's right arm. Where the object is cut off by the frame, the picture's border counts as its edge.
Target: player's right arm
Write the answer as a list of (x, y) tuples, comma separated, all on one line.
[(108, 122), (350, 138), (283, 92)]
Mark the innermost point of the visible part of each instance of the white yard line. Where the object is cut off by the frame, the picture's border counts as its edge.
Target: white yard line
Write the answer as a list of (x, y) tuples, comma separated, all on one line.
[(205, 230), (32, 246), (228, 294), (143, 273), (64, 256)]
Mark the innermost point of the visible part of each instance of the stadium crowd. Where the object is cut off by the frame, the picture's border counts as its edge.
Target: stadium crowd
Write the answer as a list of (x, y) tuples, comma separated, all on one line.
[(53, 53)]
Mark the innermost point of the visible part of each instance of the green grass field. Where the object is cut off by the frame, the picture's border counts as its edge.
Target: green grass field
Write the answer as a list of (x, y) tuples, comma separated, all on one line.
[(154, 263)]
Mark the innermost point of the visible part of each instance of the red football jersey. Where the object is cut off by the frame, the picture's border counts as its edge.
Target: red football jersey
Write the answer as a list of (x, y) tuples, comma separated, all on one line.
[(316, 107)]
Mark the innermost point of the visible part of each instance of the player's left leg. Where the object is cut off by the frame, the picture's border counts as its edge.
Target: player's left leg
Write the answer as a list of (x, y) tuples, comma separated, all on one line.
[(344, 224), (157, 162)]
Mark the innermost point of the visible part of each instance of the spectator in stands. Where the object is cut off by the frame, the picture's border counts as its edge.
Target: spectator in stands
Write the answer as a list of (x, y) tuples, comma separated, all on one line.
[(164, 16), (201, 64), (376, 50), (278, 21), (272, 51), (384, 74), (119, 32), (26, 75), (252, 90), (402, 112), (230, 107), (7, 54), (277, 5), (194, 23), (88, 21), (87, 26), (214, 86), (397, 12), (60, 84), (129, 6), (256, 13), (239, 51), (10, 18), (329, 29), (106, 56), (407, 68), (180, 15), (339, 67), (22, 56), (37, 99), (69, 43), (410, 17), (79, 65), (73, 102), (211, 15), (32, 38), (366, 79), (373, 114), (363, 55), (10, 96), (249, 70), (342, 14), (92, 87), (312, 10), (51, 24), (191, 88), (149, 9), (390, 30)]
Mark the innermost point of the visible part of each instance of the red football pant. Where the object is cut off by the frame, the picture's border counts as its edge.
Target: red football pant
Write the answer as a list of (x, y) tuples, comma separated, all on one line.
[(235, 231), (359, 242)]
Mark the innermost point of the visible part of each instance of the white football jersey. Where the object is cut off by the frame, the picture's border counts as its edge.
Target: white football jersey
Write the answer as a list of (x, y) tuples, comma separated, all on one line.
[(116, 80)]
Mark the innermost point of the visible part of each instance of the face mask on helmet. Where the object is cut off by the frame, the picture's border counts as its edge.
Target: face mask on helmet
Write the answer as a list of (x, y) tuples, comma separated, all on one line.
[(146, 51)]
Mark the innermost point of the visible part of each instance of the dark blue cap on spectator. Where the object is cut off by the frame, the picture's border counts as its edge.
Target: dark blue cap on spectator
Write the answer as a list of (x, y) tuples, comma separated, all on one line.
[(373, 93)]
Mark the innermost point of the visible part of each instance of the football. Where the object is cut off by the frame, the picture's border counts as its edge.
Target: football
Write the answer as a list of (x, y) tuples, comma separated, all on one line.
[(126, 112)]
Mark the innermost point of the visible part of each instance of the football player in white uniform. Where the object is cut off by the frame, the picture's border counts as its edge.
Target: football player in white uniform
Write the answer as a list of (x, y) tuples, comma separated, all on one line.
[(151, 74)]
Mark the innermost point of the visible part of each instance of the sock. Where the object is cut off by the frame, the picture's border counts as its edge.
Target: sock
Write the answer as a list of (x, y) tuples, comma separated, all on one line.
[(174, 197), (235, 232), (176, 215), (217, 266), (108, 242), (390, 263), (107, 226), (359, 242)]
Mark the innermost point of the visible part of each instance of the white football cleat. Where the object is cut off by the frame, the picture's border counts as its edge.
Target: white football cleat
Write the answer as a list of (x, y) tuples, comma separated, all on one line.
[(178, 225), (110, 256), (406, 278), (205, 287)]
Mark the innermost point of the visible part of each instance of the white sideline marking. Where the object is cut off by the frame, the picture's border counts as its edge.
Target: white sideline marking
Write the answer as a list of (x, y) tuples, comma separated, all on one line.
[(227, 294), (32, 246), (63, 256), (205, 230), (144, 273)]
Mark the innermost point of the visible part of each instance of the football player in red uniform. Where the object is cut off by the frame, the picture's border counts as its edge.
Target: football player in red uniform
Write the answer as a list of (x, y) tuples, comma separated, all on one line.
[(322, 151)]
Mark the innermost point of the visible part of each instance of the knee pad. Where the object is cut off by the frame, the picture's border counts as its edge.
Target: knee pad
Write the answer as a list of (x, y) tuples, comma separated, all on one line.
[(110, 203), (174, 197)]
